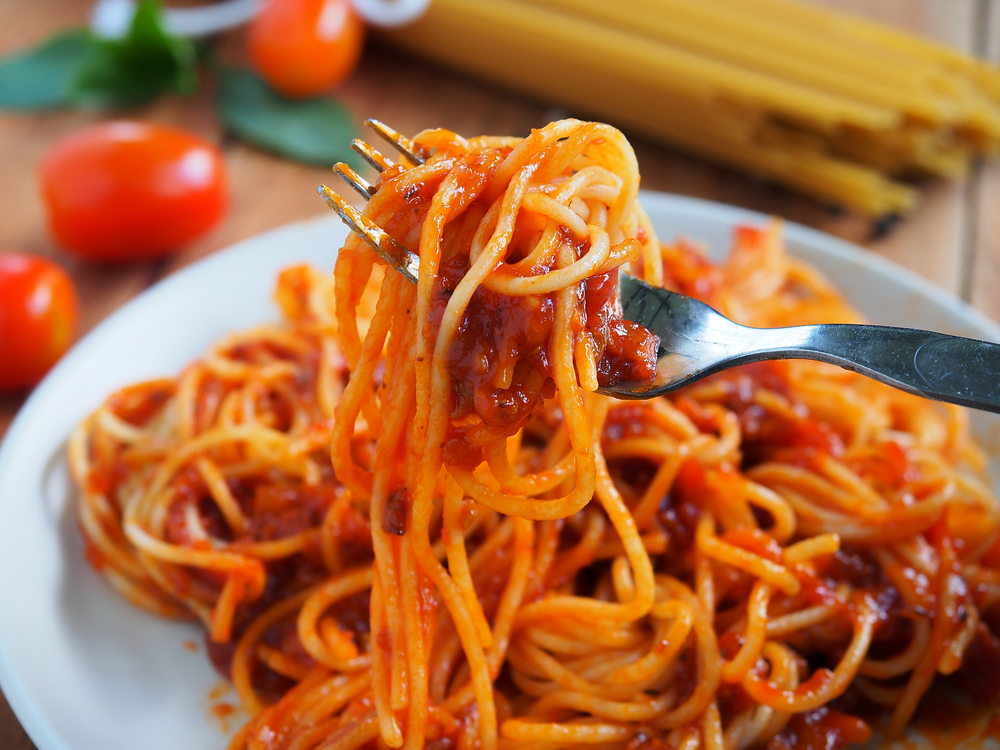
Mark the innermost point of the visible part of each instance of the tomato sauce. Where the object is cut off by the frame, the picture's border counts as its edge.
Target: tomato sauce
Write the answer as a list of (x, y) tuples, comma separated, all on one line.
[(682, 507), (644, 741), (627, 350), (756, 541), (979, 675), (280, 510), (139, 403), (500, 361), (823, 728), (625, 420), (689, 272)]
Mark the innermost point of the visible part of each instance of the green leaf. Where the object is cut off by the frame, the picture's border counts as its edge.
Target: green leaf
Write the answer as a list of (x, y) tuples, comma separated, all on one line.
[(42, 77), (314, 131), (134, 70)]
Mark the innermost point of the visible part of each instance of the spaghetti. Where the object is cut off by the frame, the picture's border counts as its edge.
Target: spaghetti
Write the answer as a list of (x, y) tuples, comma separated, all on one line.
[(406, 518)]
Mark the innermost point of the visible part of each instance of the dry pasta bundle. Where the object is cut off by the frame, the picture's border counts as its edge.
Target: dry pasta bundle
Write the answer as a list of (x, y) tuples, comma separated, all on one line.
[(834, 106)]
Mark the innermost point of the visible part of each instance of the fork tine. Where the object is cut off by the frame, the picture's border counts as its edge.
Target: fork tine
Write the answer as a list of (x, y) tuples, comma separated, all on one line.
[(399, 141), (371, 155), (356, 181), (400, 258)]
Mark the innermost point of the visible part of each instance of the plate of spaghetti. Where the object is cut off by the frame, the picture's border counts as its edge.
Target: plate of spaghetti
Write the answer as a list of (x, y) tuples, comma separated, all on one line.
[(402, 515)]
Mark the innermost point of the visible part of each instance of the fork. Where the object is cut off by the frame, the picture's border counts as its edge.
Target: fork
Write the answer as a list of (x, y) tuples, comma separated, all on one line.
[(696, 341)]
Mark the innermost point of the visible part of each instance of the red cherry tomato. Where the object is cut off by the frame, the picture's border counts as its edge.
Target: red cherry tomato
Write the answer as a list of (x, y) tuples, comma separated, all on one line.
[(303, 47), (38, 318), (124, 191)]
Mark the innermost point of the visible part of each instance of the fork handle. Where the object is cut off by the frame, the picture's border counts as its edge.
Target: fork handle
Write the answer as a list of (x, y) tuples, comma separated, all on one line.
[(934, 365)]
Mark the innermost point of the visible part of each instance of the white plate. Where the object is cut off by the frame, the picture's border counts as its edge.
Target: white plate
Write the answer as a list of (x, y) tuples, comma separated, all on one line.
[(82, 669)]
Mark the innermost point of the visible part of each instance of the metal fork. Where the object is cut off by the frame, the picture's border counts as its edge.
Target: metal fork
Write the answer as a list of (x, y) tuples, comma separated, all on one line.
[(696, 341)]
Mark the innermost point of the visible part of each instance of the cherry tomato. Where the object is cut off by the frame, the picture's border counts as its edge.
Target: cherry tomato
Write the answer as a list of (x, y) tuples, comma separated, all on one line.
[(38, 318), (303, 47), (124, 191)]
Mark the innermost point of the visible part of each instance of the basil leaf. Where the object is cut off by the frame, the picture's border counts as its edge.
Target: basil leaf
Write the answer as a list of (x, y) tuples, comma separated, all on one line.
[(135, 70), (42, 77), (315, 131)]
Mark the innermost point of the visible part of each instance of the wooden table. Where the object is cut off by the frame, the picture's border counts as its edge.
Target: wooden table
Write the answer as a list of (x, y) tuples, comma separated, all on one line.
[(953, 239)]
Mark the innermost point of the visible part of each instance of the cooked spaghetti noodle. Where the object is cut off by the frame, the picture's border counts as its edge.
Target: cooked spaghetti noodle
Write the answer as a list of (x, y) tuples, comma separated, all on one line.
[(406, 518)]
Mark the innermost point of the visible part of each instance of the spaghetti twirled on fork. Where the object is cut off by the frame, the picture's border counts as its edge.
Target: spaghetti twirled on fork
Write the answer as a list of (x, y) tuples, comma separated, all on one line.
[(406, 519)]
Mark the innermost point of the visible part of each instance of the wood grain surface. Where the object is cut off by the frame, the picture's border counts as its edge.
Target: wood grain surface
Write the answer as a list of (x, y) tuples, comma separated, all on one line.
[(953, 238)]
